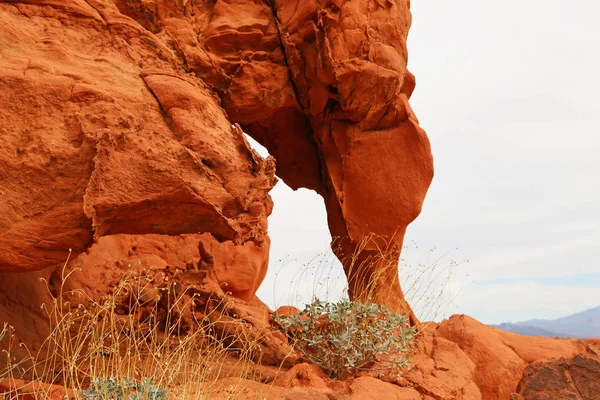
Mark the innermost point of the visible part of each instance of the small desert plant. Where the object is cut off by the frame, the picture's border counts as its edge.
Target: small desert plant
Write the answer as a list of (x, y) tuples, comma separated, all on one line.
[(124, 389), (350, 336), (426, 279)]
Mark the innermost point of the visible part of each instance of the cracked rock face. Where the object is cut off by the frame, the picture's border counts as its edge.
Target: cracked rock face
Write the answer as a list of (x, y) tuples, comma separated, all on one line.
[(573, 378), (125, 118)]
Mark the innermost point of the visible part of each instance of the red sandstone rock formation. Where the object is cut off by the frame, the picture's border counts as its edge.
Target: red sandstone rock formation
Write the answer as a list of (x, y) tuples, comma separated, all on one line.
[(348, 64), (575, 378), (499, 358), (459, 358), (119, 140), (104, 132), (117, 120)]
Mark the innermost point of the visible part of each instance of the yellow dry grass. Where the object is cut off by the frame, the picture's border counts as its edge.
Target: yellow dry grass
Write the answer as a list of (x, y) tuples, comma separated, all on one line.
[(93, 339)]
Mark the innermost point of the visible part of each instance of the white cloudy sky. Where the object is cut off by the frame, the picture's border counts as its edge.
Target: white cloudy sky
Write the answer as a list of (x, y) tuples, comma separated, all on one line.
[(509, 93)]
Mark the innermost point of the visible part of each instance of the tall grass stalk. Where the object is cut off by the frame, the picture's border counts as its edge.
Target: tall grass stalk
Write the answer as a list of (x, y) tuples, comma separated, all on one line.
[(132, 333)]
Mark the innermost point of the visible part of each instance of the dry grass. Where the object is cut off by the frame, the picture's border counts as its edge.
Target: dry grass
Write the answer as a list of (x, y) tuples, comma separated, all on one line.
[(428, 283), (135, 333), (425, 281), (425, 287), (132, 333)]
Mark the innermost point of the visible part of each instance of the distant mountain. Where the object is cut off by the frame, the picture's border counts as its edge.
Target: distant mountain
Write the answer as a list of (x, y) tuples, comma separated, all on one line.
[(526, 330), (585, 324)]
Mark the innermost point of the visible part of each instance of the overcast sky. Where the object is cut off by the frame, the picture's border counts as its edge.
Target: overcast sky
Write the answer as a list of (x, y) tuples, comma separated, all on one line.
[(509, 94)]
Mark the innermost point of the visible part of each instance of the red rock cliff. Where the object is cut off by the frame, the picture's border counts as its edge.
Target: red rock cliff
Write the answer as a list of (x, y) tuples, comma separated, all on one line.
[(117, 119), (348, 65), (121, 139)]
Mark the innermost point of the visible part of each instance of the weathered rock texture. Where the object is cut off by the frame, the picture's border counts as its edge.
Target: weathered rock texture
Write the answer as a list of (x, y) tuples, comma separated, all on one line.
[(104, 132), (500, 358), (459, 358), (117, 119), (348, 65), (121, 139), (575, 378)]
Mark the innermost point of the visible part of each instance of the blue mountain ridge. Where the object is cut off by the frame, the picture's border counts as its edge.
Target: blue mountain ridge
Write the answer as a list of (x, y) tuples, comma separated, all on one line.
[(585, 324)]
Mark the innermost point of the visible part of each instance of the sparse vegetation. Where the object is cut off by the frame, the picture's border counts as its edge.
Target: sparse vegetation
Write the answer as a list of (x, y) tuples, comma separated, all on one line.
[(426, 279), (152, 339), (124, 389), (347, 336), (136, 343)]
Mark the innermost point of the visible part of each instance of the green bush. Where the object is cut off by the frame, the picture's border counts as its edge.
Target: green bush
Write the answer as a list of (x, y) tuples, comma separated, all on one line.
[(124, 389), (346, 336)]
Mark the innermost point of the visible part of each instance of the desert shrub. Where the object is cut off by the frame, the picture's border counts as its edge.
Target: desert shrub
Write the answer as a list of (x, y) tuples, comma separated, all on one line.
[(346, 337), (124, 389)]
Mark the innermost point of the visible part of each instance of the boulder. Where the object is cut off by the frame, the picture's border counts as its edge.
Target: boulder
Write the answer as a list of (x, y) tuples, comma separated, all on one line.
[(575, 378)]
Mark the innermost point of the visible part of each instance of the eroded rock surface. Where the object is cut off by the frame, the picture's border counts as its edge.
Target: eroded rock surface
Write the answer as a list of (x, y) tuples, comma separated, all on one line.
[(348, 65), (567, 378), (500, 358), (104, 132), (121, 139), (459, 358), (117, 119)]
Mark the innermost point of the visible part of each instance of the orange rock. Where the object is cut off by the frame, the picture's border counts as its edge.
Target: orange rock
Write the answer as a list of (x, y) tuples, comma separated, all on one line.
[(303, 375), (348, 64), (287, 311), (131, 126), (106, 133), (367, 388), (501, 357), (238, 270), (23, 390), (440, 369), (573, 378)]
